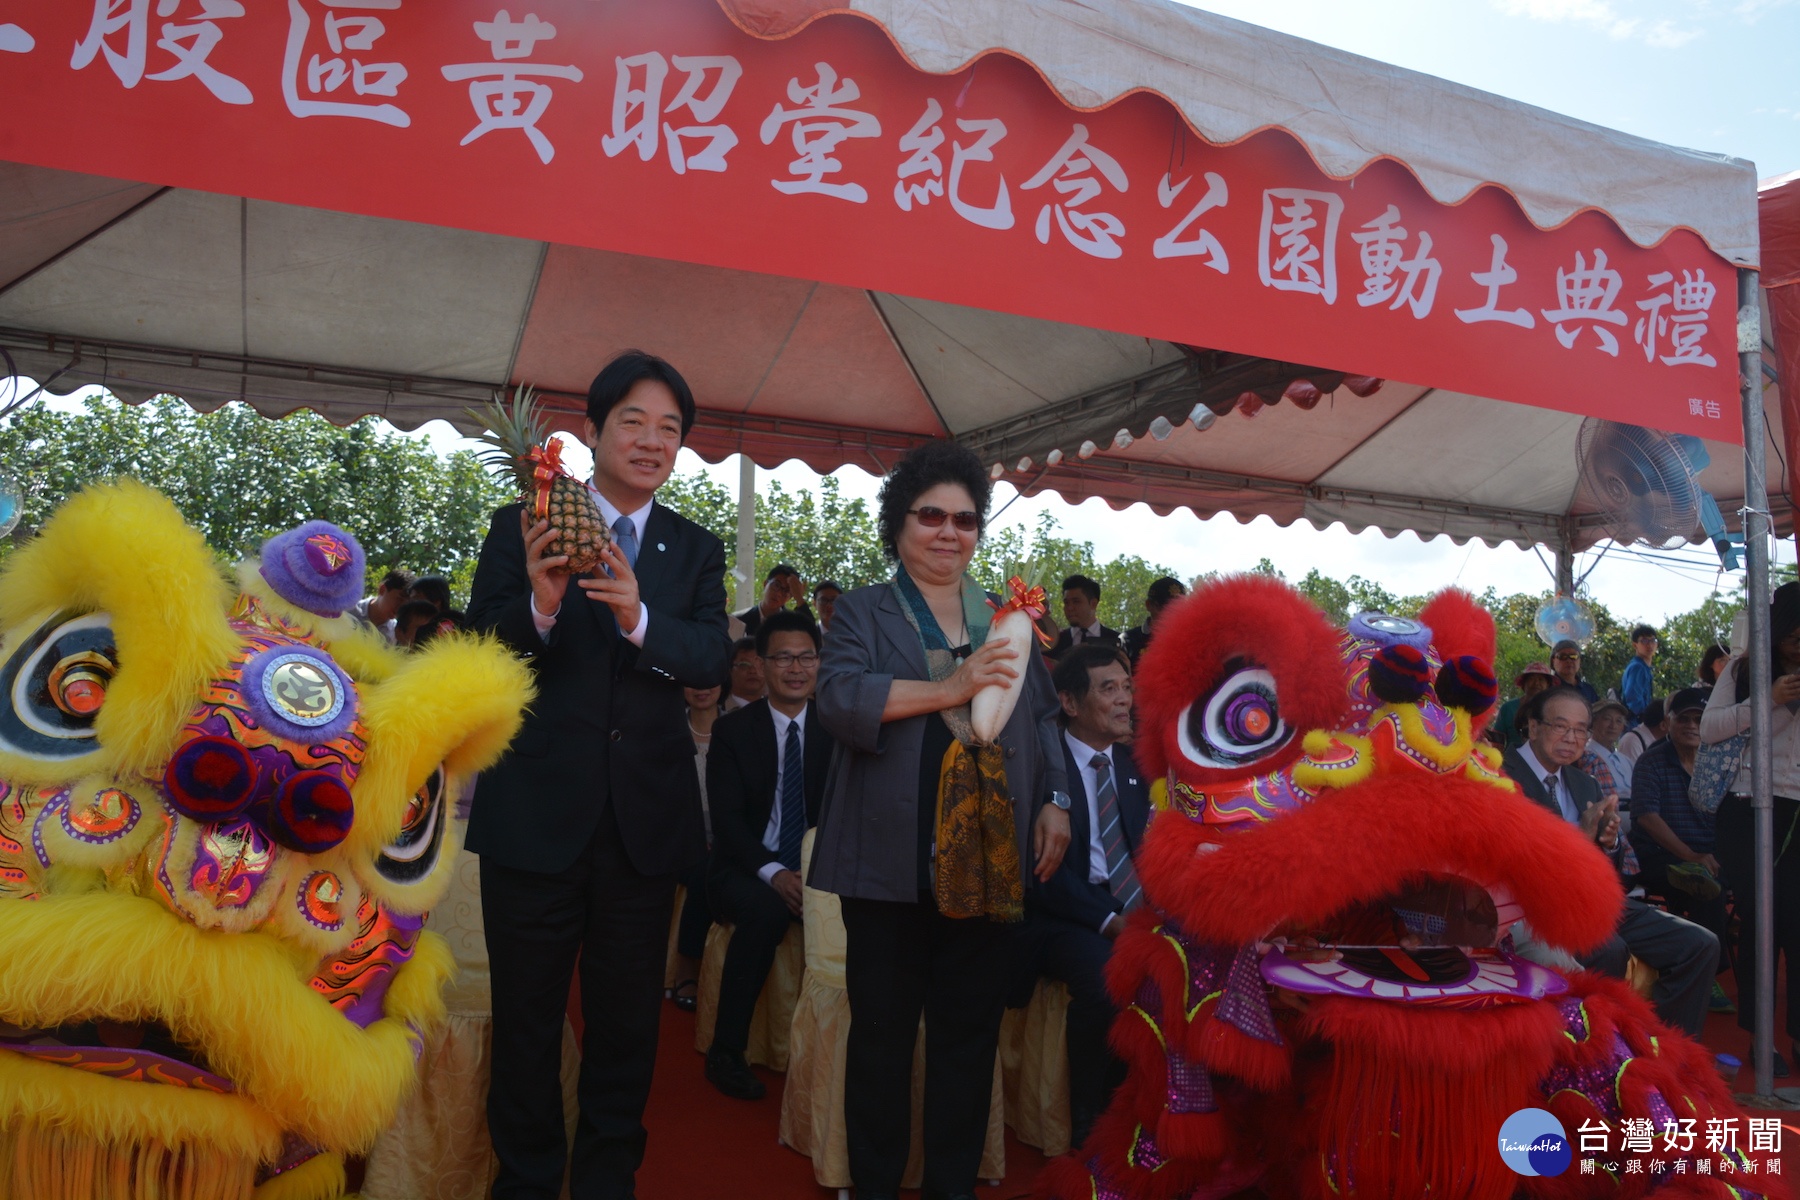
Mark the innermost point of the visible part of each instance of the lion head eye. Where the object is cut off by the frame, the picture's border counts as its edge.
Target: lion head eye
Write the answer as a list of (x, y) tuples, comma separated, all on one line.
[(412, 855), (55, 685), (1237, 723)]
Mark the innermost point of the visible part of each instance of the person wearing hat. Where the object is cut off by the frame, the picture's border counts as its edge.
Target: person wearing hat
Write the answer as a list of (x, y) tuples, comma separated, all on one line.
[(1673, 839), (1535, 678), (1606, 725), (1728, 713), (1565, 660)]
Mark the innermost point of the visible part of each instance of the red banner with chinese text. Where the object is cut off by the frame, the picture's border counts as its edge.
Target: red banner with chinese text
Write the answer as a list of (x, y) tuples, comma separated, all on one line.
[(663, 130)]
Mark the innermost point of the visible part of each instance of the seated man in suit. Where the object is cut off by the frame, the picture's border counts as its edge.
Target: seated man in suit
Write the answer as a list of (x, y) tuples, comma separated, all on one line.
[(1072, 919), (1683, 953), (1081, 608), (765, 774)]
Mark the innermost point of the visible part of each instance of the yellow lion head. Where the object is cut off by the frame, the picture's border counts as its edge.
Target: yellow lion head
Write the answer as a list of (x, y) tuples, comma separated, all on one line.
[(225, 807)]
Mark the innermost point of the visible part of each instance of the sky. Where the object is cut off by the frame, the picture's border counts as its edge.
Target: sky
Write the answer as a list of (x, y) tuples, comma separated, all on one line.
[(1713, 75)]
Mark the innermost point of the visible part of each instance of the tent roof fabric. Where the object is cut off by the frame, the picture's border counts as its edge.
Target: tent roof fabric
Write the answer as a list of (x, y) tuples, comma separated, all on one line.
[(1231, 79)]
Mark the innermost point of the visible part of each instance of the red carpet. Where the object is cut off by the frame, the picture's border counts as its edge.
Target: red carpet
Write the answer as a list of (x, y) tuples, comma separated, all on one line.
[(701, 1141), (702, 1144)]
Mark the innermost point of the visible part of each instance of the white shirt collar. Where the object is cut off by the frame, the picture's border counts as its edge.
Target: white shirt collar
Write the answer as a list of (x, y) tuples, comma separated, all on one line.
[(782, 721), (1091, 632), (1537, 768), (1084, 753), (610, 512)]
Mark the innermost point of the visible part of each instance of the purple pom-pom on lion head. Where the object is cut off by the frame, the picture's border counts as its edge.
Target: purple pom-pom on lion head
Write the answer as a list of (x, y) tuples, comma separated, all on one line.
[(317, 567), (1466, 682)]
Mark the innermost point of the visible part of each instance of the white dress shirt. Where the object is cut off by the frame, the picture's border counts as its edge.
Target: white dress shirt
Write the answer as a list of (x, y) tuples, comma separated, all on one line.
[(545, 623), (1558, 793), (1084, 757), (1079, 634), (772, 835)]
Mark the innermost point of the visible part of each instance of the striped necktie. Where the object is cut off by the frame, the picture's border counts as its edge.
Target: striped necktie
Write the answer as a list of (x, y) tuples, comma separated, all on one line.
[(1121, 875), (793, 799)]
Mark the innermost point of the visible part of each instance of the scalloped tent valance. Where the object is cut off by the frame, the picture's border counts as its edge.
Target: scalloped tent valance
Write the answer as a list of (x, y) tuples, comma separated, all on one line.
[(1231, 80)]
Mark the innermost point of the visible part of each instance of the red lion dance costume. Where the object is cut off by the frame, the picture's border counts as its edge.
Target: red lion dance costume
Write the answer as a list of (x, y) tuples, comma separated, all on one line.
[(1321, 998)]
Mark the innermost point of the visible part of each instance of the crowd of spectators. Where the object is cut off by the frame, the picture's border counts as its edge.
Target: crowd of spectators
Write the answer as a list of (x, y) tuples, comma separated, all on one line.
[(409, 611), (1621, 766)]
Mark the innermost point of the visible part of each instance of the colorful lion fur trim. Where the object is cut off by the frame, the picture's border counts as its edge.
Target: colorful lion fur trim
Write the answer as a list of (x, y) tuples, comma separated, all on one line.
[(224, 812), (1320, 998)]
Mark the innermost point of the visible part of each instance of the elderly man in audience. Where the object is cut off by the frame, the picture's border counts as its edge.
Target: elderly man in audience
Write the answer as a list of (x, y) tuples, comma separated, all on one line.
[(765, 774), (1683, 953), (1606, 724), (1072, 918), (1673, 839)]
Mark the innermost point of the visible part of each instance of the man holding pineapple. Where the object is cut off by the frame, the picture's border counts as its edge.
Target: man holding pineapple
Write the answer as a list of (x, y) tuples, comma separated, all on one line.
[(584, 826)]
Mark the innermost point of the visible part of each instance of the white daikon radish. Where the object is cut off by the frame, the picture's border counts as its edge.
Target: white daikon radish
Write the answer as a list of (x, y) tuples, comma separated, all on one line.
[(993, 704)]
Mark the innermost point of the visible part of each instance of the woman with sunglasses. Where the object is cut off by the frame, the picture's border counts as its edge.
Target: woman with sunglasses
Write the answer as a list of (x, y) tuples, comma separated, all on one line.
[(929, 837)]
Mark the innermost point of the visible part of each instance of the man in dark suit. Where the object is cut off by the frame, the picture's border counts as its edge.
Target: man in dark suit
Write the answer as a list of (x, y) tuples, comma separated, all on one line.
[(1161, 592), (765, 774), (1683, 953), (782, 585), (1073, 917), (1081, 609), (583, 827)]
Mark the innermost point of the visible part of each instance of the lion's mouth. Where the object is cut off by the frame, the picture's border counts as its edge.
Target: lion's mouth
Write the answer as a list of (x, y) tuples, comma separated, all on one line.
[(1434, 939), (141, 1052)]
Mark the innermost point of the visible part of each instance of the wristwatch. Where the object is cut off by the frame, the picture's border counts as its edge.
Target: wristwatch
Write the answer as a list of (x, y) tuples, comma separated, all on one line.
[(1061, 800)]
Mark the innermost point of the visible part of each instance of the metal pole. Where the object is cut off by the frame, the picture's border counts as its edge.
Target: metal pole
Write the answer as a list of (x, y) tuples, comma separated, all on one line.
[(1756, 544), (746, 533), (1565, 568)]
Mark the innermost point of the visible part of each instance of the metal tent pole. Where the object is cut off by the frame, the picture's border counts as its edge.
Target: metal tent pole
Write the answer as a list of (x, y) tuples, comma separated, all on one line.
[(746, 534), (1756, 544)]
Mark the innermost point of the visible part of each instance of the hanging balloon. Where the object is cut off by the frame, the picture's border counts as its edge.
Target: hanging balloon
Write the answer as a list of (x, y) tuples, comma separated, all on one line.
[(12, 504), (1565, 618)]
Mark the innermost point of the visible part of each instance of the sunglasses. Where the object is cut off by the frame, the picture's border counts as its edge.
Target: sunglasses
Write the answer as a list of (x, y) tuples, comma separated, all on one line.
[(932, 518)]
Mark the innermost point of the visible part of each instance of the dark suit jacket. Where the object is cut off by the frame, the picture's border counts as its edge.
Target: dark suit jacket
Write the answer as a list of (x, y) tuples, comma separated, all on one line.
[(1065, 641), (1068, 894), (609, 726), (1584, 790), (741, 766), (751, 619), (1135, 640), (868, 840)]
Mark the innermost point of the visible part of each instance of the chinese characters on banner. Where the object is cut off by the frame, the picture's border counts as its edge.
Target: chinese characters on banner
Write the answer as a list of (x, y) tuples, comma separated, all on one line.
[(663, 130), (1721, 1146)]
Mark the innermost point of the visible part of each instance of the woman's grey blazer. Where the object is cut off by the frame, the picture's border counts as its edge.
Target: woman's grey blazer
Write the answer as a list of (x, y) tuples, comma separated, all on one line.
[(867, 843)]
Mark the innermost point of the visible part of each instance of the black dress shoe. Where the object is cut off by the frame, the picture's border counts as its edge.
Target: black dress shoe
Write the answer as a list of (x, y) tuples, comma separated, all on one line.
[(727, 1071)]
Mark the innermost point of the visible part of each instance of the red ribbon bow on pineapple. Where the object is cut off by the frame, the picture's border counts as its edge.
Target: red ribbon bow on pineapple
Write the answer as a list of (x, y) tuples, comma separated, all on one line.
[(546, 465), (1030, 601)]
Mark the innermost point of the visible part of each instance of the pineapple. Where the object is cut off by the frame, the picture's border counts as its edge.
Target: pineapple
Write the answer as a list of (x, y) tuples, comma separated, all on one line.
[(524, 454)]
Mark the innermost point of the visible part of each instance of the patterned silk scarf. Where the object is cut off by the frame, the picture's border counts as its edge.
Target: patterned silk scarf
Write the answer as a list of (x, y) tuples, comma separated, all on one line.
[(976, 870)]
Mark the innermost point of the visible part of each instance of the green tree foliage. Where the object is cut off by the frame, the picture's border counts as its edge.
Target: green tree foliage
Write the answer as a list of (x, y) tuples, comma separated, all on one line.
[(240, 477)]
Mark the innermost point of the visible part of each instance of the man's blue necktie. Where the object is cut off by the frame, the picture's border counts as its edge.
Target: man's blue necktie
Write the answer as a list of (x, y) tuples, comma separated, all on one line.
[(625, 533), (793, 798)]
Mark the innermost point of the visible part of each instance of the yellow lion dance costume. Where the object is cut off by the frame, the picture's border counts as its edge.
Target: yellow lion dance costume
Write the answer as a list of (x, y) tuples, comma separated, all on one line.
[(225, 807)]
